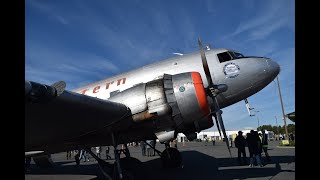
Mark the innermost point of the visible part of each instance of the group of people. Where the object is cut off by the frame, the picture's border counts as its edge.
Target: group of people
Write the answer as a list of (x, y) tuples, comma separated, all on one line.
[(146, 148), (256, 144), (84, 155)]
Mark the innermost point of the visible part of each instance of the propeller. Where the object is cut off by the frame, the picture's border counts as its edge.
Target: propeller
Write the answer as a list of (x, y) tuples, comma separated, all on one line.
[(213, 92), (217, 123)]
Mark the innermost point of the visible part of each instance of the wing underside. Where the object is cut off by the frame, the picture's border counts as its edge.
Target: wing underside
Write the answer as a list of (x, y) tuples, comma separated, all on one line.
[(52, 117)]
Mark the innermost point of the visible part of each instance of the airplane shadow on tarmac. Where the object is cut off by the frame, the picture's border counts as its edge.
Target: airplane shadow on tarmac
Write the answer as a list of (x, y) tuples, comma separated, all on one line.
[(196, 165)]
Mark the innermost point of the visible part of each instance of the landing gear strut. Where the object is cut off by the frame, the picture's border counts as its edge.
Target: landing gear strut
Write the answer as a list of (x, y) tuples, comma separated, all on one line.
[(170, 157), (105, 167), (122, 169)]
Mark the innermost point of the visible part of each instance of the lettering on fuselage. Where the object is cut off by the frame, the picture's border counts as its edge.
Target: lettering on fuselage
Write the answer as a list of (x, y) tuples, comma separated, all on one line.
[(107, 85)]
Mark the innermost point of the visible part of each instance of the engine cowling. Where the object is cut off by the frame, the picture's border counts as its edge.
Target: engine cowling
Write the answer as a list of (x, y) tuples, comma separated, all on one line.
[(192, 102), (178, 103)]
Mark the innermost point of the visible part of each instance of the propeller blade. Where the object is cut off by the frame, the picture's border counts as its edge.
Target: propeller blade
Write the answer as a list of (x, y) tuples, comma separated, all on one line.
[(213, 91), (217, 123), (219, 117), (205, 64)]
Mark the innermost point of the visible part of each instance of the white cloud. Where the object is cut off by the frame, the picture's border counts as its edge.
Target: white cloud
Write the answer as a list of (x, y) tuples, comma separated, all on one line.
[(49, 10), (48, 65), (269, 18), (267, 29)]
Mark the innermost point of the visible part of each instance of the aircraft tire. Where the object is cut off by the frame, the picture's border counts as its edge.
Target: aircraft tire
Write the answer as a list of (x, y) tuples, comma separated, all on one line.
[(175, 159)]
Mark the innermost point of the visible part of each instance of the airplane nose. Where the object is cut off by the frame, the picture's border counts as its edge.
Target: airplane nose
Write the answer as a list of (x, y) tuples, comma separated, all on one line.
[(273, 68)]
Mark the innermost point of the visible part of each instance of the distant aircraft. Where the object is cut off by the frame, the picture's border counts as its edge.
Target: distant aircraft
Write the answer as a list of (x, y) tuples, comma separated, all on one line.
[(160, 100)]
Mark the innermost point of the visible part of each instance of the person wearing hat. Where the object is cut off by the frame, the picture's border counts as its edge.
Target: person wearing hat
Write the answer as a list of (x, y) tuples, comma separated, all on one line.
[(240, 143)]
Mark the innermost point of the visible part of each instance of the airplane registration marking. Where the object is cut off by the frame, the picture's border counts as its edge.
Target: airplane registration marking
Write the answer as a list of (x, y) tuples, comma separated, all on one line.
[(108, 84)]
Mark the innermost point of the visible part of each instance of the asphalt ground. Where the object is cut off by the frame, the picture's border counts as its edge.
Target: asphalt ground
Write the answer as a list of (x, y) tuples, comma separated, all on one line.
[(201, 160)]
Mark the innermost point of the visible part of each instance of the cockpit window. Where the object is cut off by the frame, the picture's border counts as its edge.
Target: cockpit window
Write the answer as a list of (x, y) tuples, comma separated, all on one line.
[(223, 57), (236, 55), (229, 55)]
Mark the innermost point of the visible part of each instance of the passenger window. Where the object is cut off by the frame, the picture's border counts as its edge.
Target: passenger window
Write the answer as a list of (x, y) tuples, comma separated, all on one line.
[(223, 57)]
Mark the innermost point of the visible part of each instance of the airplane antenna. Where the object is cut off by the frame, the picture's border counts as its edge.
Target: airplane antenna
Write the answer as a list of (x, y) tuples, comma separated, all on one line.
[(180, 54), (208, 47)]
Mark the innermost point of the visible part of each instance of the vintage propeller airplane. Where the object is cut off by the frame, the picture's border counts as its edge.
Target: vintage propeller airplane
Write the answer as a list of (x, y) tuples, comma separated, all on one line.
[(160, 100)]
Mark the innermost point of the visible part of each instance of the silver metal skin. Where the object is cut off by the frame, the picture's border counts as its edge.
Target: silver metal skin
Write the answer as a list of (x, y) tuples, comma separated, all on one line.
[(188, 102), (255, 73), (156, 99), (165, 136), (53, 121), (148, 101), (134, 98)]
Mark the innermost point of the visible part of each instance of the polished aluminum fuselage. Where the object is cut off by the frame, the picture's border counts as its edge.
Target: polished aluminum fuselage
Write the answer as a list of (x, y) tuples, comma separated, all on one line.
[(252, 75), (243, 77)]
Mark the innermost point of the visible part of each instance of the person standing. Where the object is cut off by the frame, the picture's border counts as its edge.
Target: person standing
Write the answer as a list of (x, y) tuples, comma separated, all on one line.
[(265, 144), (83, 155), (77, 157), (98, 150), (175, 143), (154, 145), (68, 155), (107, 153), (143, 148), (151, 149), (148, 148), (250, 142), (257, 148), (240, 143)]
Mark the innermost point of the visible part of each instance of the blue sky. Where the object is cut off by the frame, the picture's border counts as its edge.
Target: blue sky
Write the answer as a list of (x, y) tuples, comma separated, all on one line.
[(81, 41)]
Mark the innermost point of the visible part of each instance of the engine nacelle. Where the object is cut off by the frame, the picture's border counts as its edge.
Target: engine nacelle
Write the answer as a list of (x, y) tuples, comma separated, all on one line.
[(178, 102), (192, 102)]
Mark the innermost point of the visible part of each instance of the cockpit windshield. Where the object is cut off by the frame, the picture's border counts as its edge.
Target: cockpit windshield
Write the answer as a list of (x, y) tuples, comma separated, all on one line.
[(229, 55), (236, 55)]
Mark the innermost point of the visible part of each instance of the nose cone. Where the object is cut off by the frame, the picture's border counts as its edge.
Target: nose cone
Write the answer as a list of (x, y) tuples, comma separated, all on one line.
[(273, 68)]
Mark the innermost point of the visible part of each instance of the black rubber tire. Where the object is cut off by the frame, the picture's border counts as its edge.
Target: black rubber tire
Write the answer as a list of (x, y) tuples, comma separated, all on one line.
[(175, 159)]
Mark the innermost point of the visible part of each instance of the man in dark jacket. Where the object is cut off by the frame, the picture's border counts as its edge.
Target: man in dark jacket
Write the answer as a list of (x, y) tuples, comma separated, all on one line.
[(265, 144), (250, 143), (257, 148), (143, 148), (240, 143)]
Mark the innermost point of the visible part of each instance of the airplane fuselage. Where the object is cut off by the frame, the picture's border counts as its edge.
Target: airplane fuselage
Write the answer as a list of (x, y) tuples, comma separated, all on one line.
[(135, 92), (244, 76)]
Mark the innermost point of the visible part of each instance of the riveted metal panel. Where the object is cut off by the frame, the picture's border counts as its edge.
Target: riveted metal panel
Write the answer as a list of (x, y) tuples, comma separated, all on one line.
[(155, 93), (134, 98), (186, 97)]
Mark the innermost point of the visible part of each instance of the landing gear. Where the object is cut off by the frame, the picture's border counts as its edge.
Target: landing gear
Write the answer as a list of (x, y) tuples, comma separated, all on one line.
[(128, 168), (171, 157), (122, 169), (106, 168)]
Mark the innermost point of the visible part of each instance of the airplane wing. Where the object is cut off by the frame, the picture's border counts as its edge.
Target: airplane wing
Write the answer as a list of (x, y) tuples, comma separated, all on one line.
[(54, 115)]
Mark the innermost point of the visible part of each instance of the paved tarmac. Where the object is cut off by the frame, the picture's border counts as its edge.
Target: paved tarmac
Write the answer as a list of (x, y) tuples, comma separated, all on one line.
[(201, 160)]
